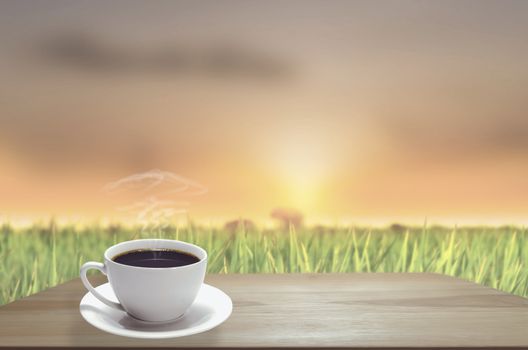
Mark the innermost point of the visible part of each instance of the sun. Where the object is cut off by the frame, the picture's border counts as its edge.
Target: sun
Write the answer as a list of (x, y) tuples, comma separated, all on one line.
[(303, 193), (302, 160), (302, 171)]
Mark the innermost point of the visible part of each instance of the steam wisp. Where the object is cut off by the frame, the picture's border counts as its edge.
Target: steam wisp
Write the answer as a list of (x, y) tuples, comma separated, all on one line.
[(160, 196)]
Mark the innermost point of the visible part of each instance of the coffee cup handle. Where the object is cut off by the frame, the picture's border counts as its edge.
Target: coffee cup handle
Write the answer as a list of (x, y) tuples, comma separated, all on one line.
[(101, 267)]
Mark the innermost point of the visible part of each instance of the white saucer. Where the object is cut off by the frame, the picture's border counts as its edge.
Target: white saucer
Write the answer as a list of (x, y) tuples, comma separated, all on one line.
[(211, 308)]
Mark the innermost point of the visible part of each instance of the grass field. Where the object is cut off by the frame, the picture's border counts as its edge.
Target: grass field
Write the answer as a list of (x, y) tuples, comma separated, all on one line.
[(42, 256)]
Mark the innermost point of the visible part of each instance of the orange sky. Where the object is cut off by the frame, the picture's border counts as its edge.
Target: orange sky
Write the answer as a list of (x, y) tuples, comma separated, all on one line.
[(349, 111)]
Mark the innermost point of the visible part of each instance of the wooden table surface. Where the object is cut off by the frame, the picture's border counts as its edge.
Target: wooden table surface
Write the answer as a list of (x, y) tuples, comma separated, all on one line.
[(276, 311)]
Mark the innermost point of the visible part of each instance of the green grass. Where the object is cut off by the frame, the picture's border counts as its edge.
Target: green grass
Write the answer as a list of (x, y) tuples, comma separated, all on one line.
[(42, 256)]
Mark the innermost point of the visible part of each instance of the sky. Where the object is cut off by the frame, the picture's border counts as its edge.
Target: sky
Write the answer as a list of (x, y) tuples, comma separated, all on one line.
[(348, 111)]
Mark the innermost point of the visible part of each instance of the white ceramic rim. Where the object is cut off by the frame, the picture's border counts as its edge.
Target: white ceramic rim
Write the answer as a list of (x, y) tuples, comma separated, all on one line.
[(186, 247)]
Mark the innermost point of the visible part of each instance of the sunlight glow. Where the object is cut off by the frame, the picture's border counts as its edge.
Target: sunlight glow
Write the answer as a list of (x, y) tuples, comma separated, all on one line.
[(302, 167)]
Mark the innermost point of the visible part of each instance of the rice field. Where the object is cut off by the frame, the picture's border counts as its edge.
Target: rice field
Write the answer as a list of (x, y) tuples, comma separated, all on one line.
[(44, 255)]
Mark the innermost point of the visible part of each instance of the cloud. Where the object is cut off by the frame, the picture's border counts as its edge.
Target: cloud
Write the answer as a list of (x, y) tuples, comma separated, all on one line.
[(462, 140), (87, 53)]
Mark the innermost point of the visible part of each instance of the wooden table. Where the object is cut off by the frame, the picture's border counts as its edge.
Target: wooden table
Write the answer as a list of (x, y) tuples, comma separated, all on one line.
[(277, 311)]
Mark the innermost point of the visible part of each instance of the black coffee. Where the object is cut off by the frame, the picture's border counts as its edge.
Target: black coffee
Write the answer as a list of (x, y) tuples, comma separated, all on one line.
[(155, 258)]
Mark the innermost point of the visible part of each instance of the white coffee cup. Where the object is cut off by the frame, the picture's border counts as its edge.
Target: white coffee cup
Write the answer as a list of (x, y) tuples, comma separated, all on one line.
[(150, 294)]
